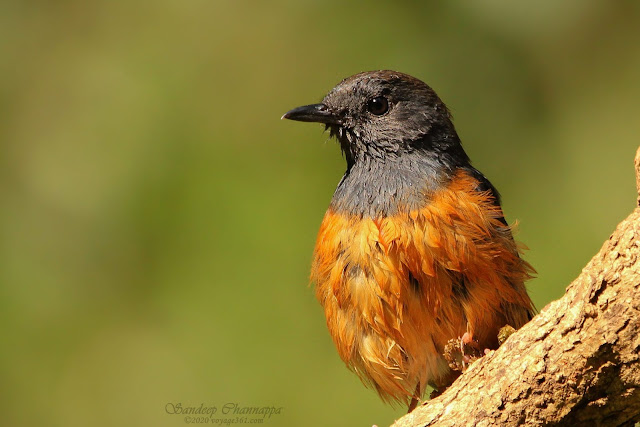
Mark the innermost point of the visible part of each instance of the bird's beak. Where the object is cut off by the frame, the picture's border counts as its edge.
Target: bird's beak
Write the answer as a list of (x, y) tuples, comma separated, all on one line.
[(317, 113)]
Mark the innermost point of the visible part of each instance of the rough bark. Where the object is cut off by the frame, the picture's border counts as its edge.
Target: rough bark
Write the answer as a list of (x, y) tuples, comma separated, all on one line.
[(576, 363)]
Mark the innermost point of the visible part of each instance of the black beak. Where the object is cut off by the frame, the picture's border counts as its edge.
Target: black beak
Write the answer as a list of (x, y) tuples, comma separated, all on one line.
[(317, 113)]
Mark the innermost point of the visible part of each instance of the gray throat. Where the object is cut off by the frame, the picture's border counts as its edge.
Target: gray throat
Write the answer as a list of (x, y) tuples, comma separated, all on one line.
[(378, 187)]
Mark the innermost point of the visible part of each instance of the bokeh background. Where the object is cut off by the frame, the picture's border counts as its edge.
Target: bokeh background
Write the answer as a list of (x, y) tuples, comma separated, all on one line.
[(157, 217)]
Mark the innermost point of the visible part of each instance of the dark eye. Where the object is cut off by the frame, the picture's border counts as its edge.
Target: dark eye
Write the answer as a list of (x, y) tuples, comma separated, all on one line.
[(378, 105)]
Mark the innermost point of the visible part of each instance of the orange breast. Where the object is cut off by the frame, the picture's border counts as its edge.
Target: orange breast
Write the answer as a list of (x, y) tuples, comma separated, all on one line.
[(396, 289)]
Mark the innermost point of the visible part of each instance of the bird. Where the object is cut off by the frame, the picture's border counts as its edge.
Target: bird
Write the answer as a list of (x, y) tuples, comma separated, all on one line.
[(414, 250)]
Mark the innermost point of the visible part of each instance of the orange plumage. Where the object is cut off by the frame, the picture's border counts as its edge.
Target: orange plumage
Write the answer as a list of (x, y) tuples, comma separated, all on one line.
[(395, 289), (414, 251)]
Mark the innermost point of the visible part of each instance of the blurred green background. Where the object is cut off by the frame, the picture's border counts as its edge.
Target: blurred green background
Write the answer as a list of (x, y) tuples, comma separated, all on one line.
[(158, 217)]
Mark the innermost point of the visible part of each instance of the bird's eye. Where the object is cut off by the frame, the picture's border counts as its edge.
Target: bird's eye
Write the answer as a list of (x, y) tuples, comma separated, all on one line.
[(378, 105)]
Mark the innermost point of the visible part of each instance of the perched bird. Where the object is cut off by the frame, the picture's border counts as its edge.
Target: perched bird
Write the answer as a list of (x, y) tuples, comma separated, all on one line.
[(414, 250)]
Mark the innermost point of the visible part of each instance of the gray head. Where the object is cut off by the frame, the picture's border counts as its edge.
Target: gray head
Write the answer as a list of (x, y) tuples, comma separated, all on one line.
[(385, 114)]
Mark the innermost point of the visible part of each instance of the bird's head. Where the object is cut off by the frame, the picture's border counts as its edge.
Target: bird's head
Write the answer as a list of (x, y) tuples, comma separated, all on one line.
[(383, 114)]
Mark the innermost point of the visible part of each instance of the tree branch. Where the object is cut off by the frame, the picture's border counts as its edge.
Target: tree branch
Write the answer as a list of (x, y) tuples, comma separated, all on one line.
[(576, 362)]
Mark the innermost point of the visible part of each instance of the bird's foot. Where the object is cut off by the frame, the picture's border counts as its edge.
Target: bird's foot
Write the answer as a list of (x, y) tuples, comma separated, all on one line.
[(461, 352)]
